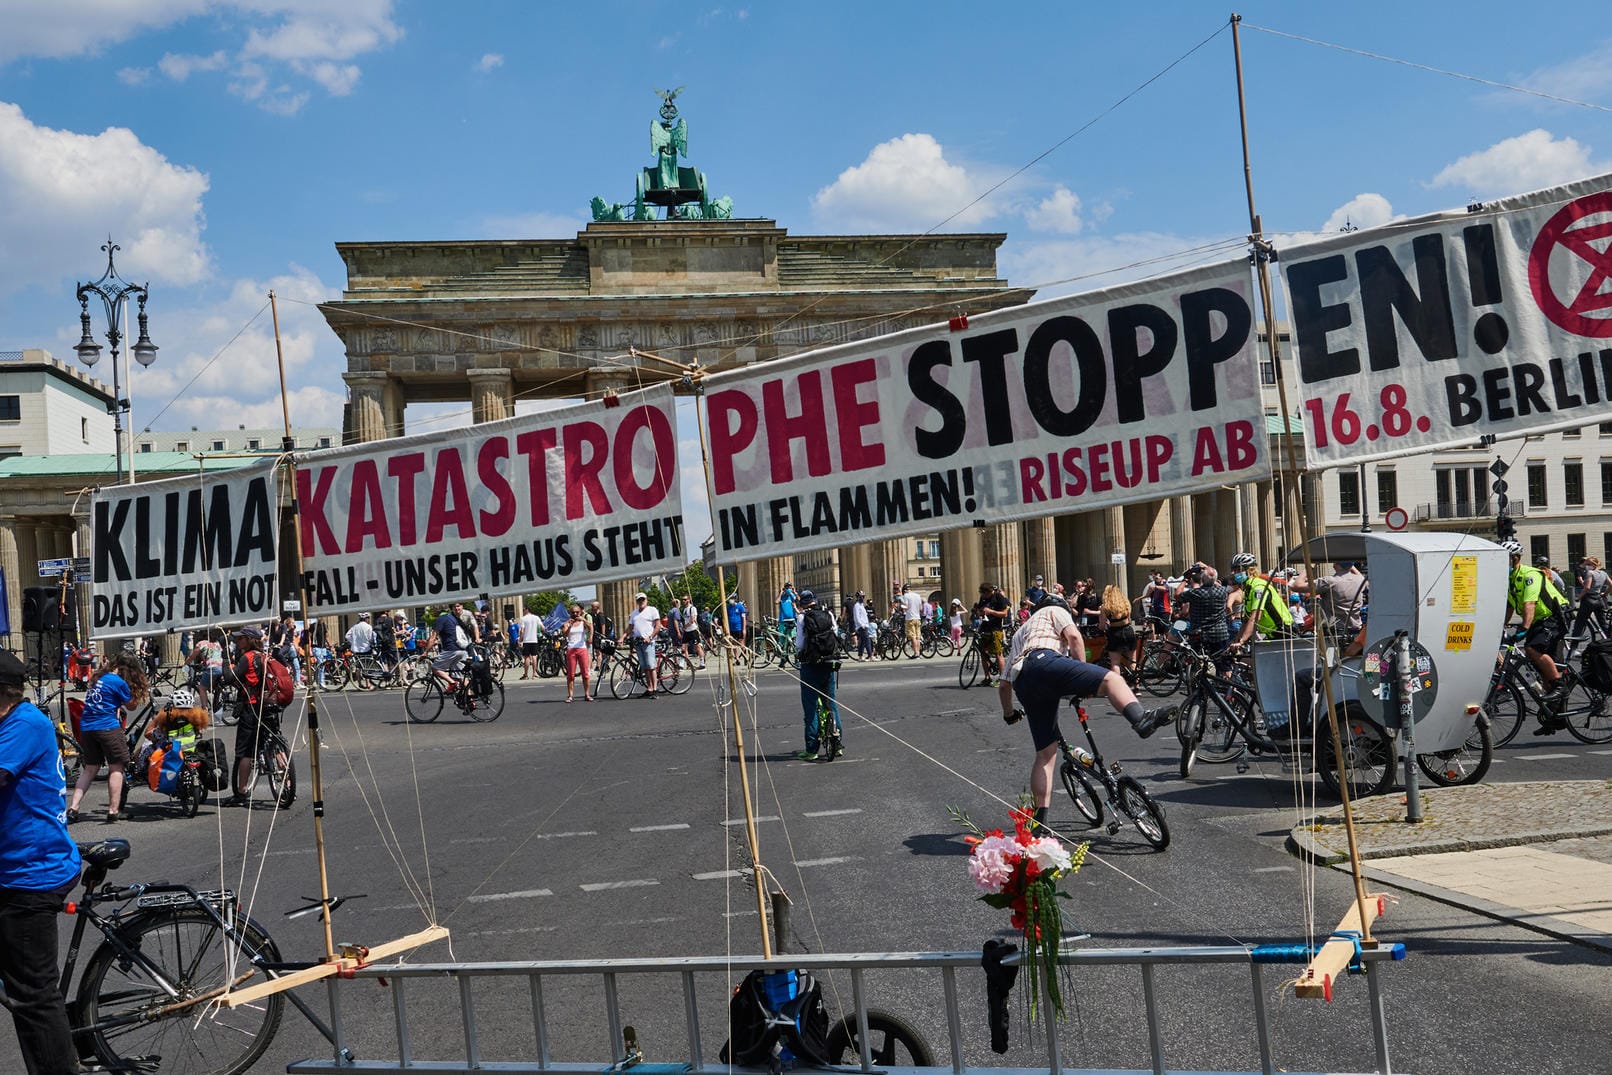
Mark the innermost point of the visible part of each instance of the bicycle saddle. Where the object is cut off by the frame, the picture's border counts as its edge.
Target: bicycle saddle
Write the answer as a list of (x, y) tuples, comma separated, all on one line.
[(108, 854)]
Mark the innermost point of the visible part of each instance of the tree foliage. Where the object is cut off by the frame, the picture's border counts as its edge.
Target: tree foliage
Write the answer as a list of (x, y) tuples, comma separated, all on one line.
[(694, 582)]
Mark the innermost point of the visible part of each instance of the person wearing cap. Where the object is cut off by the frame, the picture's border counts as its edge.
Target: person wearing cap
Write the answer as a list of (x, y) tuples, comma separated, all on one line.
[(994, 613), (1041, 671), (644, 624), (787, 615), (1037, 590), (39, 864), (361, 636), (117, 686)]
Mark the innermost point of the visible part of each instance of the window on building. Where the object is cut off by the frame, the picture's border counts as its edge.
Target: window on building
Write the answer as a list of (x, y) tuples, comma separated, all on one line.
[(218, 446), (1575, 432), (1349, 492), (934, 550), (145, 447), (10, 408), (7, 451), (1575, 548), (1606, 483), (1606, 548), (182, 446), (1606, 429), (253, 445), (1573, 483), (1387, 489), (1539, 545), (324, 442), (84, 430), (1536, 486), (1267, 372)]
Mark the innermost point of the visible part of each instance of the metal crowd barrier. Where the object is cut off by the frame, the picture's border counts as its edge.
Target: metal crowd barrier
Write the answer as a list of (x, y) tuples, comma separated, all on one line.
[(541, 976)]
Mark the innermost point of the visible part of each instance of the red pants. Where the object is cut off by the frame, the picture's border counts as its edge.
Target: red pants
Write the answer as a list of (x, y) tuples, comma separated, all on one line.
[(578, 660)]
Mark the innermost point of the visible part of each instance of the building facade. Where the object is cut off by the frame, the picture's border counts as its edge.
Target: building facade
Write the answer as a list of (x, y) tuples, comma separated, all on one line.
[(49, 408)]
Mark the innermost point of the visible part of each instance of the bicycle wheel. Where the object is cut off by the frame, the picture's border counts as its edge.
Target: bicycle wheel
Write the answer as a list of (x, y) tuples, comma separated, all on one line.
[(224, 705), (892, 1041), (1218, 740), (1145, 814), (1189, 722), (1155, 674), (676, 674), (1366, 750), (549, 663), (487, 705), (71, 762), (1506, 711), (336, 674), (945, 647), (364, 672), (929, 648), (1083, 790), (423, 700), (1587, 712), (281, 772), (191, 794), (968, 673), (1466, 764), (624, 681), (123, 1014)]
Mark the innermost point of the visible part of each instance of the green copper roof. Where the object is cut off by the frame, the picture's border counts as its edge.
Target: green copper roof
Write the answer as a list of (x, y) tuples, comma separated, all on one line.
[(1276, 427), (95, 464)]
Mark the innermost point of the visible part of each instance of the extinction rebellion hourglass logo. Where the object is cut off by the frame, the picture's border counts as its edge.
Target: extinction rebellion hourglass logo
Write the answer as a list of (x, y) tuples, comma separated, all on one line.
[(1570, 267)]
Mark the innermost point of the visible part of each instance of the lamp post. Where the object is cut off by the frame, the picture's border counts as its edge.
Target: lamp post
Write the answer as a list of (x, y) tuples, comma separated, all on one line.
[(114, 293)]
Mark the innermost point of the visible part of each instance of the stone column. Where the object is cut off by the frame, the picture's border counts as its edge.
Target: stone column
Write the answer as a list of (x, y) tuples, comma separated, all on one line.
[(888, 563), (1004, 559), (393, 407), (492, 394), (962, 563), (1312, 503), (1228, 531), (1265, 514), (1203, 529), (1141, 526), (1067, 531), (1039, 540), (367, 393), (1112, 521), (856, 569), (10, 564), (1181, 534)]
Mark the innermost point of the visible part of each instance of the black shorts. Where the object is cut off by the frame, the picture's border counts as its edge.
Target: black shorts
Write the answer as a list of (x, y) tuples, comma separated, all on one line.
[(1122, 637), (248, 735), (1545, 636), (109, 746), (1044, 681), (530, 649)]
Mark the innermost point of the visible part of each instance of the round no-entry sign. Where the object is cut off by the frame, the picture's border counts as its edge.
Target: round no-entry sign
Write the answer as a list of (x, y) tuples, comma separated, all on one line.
[(1396, 518)]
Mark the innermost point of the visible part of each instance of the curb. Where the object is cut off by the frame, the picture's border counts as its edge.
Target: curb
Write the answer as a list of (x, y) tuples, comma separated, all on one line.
[(1305, 846)]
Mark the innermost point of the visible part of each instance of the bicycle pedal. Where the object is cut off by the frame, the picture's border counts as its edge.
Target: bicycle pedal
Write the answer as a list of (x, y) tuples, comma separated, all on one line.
[(1113, 828), (1242, 767)]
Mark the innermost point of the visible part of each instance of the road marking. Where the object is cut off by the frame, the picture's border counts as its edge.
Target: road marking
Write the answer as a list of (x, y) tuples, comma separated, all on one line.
[(294, 851), (1274, 869), (824, 862), (759, 820), (1541, 757), (659, 828), (602, 886), (1598, 752), (717, 875), (526, 894), (558, 835), (519, 929), (831, 813)]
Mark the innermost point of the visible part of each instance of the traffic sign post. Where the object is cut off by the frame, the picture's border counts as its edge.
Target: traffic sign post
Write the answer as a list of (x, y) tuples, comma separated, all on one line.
[(62, 565)]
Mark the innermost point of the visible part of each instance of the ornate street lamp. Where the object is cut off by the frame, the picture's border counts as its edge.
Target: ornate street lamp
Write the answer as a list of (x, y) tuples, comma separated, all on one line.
[(114, 292)]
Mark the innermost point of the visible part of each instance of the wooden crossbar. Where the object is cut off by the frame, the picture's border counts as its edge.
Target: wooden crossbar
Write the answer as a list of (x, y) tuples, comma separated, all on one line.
[(238, 997), (1338, 952)]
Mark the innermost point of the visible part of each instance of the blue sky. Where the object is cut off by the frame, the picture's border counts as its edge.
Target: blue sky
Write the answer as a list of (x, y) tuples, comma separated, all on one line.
[(228, 145)]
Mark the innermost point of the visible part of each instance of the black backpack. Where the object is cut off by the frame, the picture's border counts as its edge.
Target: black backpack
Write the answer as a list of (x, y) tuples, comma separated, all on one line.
[(1596, 666), (763, 1028), (820, 645)]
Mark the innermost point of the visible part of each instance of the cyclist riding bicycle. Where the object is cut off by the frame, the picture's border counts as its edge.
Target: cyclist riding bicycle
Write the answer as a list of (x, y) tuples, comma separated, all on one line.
[(1264, 605), (452, 643), (1535, 599), (252, 712)]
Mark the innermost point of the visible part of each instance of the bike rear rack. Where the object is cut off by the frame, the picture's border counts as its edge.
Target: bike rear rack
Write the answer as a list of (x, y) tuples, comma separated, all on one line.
[(540, 976)]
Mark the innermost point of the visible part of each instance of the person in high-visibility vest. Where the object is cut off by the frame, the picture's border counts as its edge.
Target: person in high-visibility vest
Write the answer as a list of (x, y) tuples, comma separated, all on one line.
[(1264, 604)]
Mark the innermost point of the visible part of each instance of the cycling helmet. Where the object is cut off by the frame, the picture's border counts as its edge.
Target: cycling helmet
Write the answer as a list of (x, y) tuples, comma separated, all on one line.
[(1512, 547), (1052, 600), (1541, 561), (182, 698), (1243, 560)]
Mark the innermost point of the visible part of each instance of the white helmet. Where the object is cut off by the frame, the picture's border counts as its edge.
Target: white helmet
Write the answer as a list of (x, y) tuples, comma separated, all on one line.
[(1514, 548), (1243, 560), (182, 698)]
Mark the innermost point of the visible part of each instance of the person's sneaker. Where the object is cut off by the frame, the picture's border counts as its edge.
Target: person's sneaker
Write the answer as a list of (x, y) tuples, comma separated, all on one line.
[(839, 751), (805, 755), (237, 800), (1558, 689), (1154, 719), (1550, 727), (72, 816)]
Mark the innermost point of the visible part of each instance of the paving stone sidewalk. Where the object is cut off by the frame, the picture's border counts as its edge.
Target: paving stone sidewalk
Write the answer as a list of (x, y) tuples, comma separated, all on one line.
[(1538, 855)]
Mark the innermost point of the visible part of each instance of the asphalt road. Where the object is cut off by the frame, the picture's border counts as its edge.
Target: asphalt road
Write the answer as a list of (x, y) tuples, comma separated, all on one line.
[(609, 829)]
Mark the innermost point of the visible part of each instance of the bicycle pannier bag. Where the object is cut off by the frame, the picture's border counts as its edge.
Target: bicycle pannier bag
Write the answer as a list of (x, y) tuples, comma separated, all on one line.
[(767, 1010), (819, 646), (1597, 666), (173, 761), (278, 688), (214, 761), (154, 768)]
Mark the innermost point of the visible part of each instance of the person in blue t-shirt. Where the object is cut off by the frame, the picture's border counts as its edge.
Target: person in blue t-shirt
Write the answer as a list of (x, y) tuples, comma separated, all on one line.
[(38, 865), (738, 620), (119, 684), (451, 654)]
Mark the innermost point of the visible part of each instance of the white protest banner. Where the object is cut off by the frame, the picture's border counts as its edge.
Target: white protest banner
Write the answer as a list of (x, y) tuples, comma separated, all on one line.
[(1127, 394), (185, 552), (536, 502), (1438, 330)]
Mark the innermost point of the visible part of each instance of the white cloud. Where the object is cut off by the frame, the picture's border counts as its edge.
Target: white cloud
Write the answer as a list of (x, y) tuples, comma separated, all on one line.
[(490, 61), (905, 184), (1066, 266), (283, 44), (1526, 162), (56, 207), (1361, 211), (178, 66), (1058, 212), (532, 226)]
